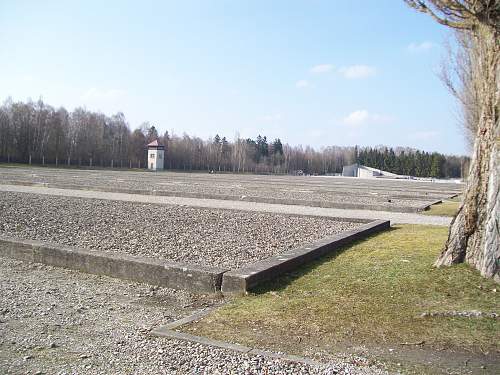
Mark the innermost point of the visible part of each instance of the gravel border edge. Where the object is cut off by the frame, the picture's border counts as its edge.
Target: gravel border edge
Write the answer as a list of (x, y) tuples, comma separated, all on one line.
[(169, 332), (241, 280), (176, 275), (193, 278)]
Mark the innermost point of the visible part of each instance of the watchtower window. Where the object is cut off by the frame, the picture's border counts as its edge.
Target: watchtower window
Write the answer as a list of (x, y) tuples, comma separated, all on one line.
[(151, 156)]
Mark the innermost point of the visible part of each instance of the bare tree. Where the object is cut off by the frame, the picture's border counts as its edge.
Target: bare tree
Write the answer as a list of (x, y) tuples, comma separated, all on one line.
[(457, 75), (474, 235), (39, 133)]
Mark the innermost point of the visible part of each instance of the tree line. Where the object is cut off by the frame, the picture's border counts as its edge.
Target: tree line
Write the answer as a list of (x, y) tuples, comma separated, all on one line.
[(413, 163), (37, 133)]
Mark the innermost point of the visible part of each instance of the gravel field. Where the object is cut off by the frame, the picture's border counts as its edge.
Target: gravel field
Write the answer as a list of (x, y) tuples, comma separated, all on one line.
[(335, 190), (394, 217), (210, 237), (56, 321)]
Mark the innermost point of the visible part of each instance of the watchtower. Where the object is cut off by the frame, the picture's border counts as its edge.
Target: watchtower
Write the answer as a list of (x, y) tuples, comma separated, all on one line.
[(156, 155)]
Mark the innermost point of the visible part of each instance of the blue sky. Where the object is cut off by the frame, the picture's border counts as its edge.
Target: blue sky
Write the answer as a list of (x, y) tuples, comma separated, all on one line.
[(310, 72)]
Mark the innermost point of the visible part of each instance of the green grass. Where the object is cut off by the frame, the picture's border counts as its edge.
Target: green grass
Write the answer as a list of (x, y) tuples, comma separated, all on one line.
[(447, 208), (373, 294)]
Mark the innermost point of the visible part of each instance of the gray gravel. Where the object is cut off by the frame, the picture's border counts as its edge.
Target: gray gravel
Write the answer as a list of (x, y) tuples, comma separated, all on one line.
[(374, 192), (394, 217), (55, 321), (211, 237)]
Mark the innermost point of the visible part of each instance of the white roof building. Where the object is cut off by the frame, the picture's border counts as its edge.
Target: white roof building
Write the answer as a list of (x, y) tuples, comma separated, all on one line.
[(357, 170)]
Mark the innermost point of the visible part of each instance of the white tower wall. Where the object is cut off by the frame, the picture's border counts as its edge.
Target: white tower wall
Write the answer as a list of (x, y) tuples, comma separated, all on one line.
[(156, 158)]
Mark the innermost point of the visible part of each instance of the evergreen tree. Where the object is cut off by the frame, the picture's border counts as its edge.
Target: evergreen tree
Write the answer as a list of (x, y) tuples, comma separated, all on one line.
[(277, 147)]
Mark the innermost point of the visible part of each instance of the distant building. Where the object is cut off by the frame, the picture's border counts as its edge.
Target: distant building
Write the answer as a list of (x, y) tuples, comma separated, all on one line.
[(156, 155), (356, 170)]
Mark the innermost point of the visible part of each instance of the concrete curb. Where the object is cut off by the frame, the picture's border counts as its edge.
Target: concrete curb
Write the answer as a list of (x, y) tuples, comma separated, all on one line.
[(428, 207), (175, 275), (293, 202), (243, 279), (193, 278), (169, 332)]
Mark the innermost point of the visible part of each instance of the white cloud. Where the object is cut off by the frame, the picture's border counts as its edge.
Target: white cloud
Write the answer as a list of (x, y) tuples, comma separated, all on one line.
[(363, 117), (322, 68), (272, 117), (97, 94), (358, 71), (420, 47), (302, 84), (356, 118)]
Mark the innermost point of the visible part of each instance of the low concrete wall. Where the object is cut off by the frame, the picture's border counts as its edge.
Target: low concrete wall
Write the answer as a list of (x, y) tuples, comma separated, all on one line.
[(175, 275), (194, 278), (169, 331), (241, 280), (428, 207)]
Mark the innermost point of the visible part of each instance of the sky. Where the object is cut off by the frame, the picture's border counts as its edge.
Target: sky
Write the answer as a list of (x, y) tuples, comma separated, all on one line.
[(311, 72)]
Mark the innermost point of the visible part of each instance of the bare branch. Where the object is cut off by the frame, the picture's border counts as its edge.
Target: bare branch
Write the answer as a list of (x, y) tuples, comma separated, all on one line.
[(460, 14), (454, 14)]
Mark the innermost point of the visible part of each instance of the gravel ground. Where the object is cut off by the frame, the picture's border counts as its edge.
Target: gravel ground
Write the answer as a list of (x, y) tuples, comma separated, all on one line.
[(394, 217), (367, 192), (56, 321), (211, 237)]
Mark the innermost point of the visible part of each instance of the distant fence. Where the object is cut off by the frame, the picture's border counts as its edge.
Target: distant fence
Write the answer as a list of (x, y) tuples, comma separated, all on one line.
[(69, 162)]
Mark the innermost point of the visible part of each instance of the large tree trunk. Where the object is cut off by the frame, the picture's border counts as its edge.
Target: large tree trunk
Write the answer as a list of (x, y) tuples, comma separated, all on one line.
[(474, 235)]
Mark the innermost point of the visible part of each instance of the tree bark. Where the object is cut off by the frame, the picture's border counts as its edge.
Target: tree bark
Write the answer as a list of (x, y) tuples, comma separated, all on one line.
[(474, 235)]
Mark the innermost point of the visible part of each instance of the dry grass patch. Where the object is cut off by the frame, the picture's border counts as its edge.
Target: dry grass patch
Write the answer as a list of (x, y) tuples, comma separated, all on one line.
[(447, 208), (372, 294)]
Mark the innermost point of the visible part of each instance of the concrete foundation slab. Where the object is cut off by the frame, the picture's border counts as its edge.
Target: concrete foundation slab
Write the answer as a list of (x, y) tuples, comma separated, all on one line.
[(151, 271)]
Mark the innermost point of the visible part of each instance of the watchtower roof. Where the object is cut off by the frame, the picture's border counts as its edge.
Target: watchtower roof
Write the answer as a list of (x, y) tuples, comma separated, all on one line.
[(155, 144)]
